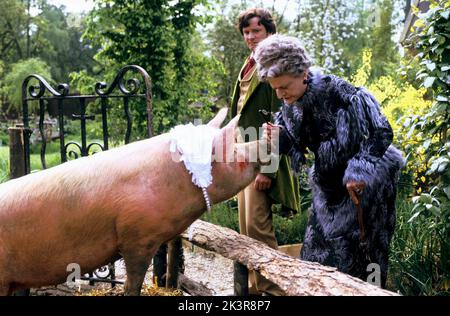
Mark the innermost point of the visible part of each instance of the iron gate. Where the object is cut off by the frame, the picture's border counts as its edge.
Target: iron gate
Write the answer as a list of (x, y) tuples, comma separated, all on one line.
[(122, 90)]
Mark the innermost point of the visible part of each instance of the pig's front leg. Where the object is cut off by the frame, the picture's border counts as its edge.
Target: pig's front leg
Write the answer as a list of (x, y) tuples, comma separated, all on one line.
[(136, 264)]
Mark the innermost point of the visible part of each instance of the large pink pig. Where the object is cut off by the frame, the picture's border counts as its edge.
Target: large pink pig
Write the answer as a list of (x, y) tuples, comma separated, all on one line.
[(125, 201)]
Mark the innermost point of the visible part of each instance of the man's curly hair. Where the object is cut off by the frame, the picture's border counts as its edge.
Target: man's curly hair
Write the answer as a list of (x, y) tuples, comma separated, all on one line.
[(264, 16)]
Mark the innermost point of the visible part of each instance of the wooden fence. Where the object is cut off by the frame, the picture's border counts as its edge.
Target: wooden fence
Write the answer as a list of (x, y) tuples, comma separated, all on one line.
[(294, 276)]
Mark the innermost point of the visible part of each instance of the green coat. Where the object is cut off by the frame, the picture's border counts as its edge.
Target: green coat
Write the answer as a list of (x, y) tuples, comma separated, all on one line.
[(285, 188)]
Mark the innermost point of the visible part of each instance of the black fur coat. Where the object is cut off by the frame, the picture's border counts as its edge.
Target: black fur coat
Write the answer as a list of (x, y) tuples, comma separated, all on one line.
[(351, 140)]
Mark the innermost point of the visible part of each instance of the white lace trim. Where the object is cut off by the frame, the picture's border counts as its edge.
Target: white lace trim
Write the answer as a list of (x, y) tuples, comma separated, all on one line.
[(194, 143)]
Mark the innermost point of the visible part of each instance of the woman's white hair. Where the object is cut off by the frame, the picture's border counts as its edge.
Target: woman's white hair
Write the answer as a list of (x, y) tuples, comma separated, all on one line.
[(278, 55)]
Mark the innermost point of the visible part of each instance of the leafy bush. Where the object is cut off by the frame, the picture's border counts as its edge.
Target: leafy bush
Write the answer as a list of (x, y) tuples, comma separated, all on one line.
[(287, 230), (4, 139), (4, 135), (290, 230), (432, 203), (224, 214), (420, 259), (400, 100)]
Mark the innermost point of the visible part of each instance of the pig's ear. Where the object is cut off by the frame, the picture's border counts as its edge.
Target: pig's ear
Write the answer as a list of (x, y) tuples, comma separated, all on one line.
[(219, 118), (224, 142)]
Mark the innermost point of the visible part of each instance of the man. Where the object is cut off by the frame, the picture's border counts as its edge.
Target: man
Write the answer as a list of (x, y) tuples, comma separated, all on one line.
[(250, 96)]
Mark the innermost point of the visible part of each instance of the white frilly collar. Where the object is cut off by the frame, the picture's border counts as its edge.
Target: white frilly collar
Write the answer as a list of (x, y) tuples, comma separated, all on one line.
[(194, 144)]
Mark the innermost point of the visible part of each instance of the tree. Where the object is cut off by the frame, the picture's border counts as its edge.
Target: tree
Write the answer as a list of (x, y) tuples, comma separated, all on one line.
[(156, 35), (65, 51), (334, 32), (229, 48), (13, 23), (12, 85), (44, 37), (384, 54)]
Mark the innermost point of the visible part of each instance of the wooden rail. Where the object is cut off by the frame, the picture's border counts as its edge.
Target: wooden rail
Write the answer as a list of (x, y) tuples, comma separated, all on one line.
[(294, 276)]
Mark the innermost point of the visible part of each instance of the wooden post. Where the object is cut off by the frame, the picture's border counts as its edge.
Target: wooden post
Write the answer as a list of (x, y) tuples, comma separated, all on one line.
[(16, 153), (17, 168), (175, 262), (240, 279)]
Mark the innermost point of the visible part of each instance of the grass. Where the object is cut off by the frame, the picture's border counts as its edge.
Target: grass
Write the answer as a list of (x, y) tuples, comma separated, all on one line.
[(52, 158), (4, 163), (416, 265)]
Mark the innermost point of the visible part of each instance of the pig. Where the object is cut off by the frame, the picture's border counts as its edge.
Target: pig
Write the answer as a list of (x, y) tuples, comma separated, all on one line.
[(124, 202)]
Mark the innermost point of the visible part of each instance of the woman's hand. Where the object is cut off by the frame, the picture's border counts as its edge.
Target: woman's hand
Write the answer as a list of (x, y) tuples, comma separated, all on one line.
[(355, 189), (262, 182)]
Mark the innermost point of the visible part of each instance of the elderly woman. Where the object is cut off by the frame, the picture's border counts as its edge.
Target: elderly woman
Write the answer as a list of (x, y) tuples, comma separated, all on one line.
[(355, 171)]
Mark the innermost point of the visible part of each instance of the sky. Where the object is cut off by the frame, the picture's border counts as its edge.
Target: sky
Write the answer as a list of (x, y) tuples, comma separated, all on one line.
[(86, 5)]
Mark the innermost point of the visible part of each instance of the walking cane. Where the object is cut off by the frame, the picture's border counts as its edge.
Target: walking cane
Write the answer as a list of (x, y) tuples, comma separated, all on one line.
[(355, 196)]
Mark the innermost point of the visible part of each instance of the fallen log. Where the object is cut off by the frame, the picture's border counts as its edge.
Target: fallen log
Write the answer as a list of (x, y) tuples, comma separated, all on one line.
[(192, 287), (294, 276)]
